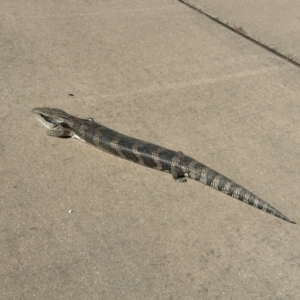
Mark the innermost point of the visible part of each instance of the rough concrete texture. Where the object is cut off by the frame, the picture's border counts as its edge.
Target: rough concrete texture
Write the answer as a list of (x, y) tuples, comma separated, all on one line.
[(77, 223), (274, 23)]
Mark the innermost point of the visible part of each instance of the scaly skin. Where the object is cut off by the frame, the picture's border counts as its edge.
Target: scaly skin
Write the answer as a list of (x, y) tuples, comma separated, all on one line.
[(61, 124)]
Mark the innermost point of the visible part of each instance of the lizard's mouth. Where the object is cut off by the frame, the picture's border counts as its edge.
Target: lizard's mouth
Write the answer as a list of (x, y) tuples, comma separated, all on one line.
[(49, 120)]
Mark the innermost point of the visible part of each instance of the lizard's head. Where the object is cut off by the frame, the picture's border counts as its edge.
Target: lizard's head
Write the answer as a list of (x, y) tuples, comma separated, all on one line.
[(49, 117)]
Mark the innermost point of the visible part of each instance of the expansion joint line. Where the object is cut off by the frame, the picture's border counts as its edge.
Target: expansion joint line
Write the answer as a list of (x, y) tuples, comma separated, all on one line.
[(243, 33)]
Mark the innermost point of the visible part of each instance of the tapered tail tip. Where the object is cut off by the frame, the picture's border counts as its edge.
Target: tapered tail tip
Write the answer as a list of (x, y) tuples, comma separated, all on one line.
[(288, 220)]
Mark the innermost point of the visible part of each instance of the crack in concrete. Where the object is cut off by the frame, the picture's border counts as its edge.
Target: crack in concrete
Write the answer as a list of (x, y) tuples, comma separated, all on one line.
[(239, 30)]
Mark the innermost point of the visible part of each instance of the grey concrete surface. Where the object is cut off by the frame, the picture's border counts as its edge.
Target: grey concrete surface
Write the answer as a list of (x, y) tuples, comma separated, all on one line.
[(274, 23), (77, 223)]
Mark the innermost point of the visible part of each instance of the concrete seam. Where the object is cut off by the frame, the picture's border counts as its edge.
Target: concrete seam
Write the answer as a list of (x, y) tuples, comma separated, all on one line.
[(242, 32)]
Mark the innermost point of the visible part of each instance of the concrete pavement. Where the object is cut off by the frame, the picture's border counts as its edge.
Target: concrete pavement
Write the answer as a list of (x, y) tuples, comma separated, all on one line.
[(77, 223)]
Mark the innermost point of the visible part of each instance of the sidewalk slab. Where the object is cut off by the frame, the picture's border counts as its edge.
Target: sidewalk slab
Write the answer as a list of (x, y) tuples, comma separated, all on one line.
[(77, 223)]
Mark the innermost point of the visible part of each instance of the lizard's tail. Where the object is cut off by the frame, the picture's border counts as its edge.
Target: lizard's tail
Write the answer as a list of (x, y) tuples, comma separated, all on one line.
[(221, 183)]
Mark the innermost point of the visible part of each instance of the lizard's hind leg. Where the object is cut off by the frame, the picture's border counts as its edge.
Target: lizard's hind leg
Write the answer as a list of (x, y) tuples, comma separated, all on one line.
[(178, 175)]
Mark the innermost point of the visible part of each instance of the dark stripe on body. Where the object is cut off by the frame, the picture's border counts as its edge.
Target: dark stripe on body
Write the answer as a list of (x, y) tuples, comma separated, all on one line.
[(251, 199), (126, 147), (211, 174), (222, 183), (166, 157), (145, 151), (242, 194), (231, 190), (106, 137)]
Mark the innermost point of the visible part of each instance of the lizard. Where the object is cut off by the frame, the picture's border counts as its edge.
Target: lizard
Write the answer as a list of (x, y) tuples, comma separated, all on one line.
[(180, 166)]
